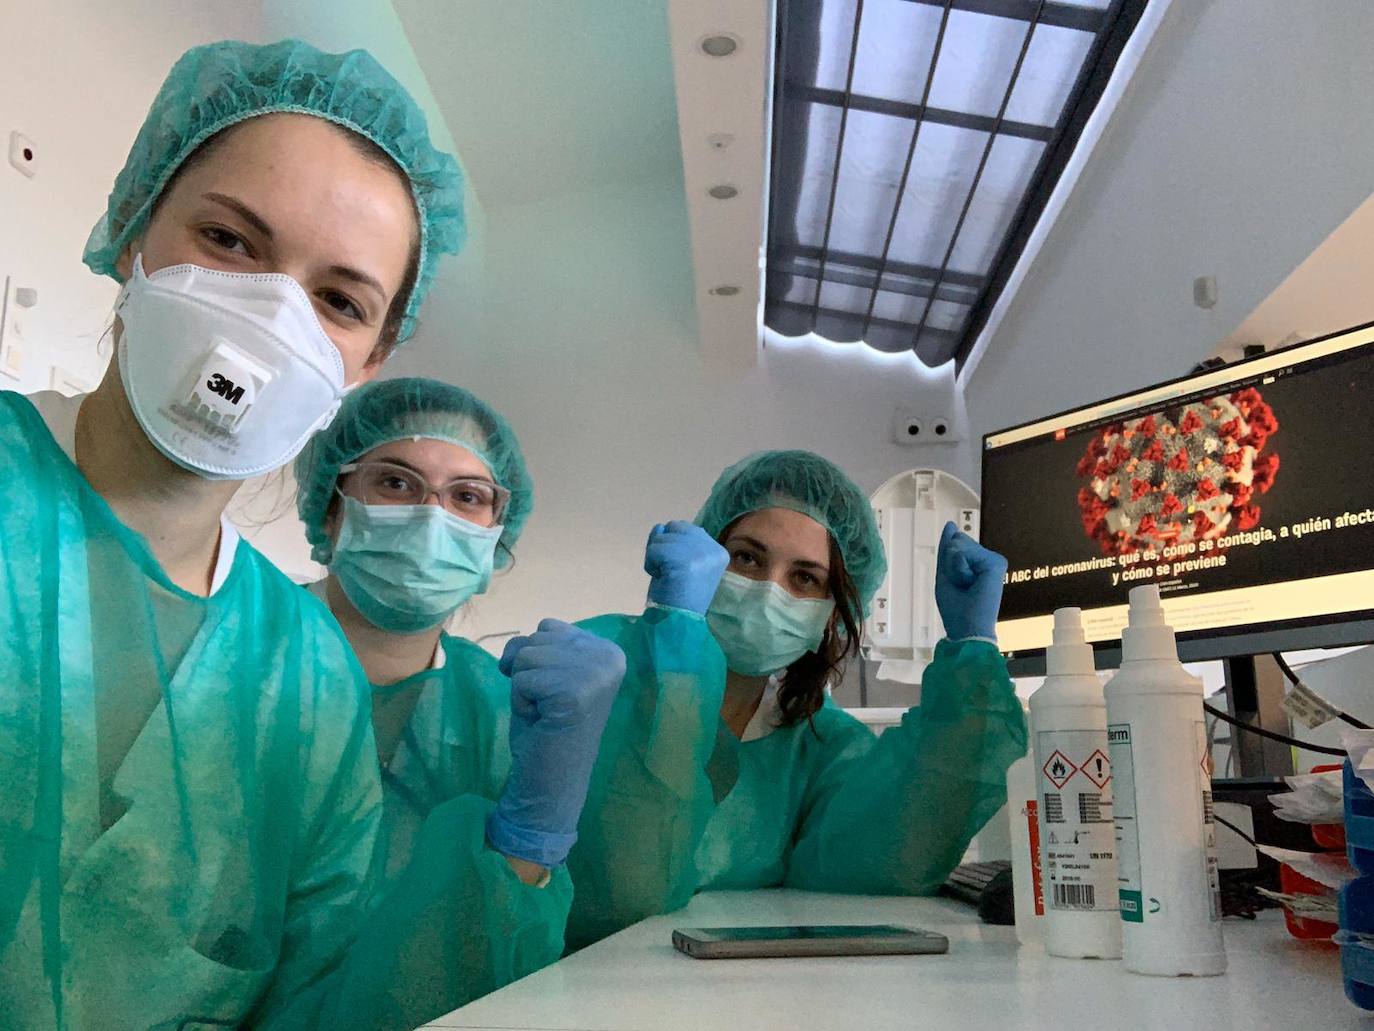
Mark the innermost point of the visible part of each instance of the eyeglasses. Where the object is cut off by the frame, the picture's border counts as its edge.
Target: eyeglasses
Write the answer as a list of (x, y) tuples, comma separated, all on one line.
[(386, 483)]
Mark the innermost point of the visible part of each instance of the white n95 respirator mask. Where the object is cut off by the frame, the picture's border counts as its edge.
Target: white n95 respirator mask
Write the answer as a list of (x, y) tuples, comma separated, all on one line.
[(228, 373)]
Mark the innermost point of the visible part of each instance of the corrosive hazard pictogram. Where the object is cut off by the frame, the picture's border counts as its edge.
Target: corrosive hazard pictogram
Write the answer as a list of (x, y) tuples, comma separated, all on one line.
[(1059, 769), (1098, 768)]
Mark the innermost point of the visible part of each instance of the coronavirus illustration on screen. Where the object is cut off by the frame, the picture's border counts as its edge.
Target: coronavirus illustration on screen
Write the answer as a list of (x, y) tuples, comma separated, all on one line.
[(1185, 474)]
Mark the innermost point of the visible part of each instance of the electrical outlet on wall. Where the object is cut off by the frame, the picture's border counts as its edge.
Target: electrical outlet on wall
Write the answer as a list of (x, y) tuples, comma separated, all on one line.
[(23, 154), (944, 430), (910, 427)]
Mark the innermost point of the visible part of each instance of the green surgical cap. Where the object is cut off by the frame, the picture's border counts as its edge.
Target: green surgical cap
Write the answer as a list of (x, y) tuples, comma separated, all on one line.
[(221, 84), (806, 483), (394, 409)]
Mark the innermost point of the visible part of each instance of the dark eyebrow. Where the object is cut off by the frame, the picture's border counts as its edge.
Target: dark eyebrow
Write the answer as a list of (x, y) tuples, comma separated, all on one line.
[(420, 472), (758, 545), (243, 211), (401, 462), (362, 278), (256, 221)]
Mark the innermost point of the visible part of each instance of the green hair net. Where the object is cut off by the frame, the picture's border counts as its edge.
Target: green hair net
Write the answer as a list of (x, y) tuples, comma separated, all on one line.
[(807, 483), (393, 409), (221, 84)]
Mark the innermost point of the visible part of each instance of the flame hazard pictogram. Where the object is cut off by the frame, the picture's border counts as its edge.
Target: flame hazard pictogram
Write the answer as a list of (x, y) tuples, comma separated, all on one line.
[(1059, 768)]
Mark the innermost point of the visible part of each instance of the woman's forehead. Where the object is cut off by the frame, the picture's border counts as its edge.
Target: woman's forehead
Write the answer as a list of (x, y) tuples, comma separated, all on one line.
[(435, 459), (317, 191), (789, 535)]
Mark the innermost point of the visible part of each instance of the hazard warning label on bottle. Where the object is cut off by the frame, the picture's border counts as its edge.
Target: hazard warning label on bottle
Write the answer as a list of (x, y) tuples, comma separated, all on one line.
[(1076, 829)]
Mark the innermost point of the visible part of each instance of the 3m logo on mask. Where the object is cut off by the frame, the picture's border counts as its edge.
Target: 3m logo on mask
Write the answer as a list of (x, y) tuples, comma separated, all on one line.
[(227, 386)]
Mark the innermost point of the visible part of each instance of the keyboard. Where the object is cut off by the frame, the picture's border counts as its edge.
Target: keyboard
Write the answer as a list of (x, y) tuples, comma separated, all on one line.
[(986, 887)]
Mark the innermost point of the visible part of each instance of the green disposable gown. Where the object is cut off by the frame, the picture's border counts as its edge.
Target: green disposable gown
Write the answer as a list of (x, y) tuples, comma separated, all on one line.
[(453, 921), (189, 799), (824, 805)]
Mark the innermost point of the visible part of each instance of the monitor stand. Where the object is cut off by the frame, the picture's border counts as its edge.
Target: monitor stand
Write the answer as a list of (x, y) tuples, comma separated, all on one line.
[(1254, 695)]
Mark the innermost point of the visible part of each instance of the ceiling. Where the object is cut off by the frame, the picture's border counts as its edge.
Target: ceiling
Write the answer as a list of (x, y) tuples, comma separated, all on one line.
[(546, 98), (553, 99), (549, 100)]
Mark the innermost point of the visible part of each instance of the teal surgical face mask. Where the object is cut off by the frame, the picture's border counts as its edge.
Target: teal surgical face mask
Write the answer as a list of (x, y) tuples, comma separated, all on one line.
[(762, 628), (407, 568)]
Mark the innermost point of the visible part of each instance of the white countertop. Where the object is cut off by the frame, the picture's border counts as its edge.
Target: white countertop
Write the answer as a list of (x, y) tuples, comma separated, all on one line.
[(635, 980)]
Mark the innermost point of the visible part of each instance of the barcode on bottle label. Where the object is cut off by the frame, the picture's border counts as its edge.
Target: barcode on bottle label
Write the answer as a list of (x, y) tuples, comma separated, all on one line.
[(1074, 896), (1077, 835)]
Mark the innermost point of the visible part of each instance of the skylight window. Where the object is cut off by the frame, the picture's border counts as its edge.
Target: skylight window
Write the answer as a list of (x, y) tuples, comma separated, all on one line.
[(915, 144)]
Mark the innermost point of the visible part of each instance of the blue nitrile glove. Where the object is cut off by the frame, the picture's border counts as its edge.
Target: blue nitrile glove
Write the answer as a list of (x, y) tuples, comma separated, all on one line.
[(686, 564), (968, 586), (563, 681)]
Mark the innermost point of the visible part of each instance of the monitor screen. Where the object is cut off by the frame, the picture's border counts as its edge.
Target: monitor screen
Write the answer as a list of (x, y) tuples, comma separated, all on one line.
[(1245, 492)]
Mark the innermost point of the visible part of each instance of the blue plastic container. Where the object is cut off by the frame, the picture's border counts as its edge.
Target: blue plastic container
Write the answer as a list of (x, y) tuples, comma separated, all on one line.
[(1357, 897)]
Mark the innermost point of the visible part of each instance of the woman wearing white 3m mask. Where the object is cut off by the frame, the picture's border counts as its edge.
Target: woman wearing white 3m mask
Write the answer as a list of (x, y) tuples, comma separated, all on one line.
[(189, 801)]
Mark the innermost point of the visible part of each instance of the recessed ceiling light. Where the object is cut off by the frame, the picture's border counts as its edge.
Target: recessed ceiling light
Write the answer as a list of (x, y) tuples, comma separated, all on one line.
[(720, 46), (723, 191), (724, 291)]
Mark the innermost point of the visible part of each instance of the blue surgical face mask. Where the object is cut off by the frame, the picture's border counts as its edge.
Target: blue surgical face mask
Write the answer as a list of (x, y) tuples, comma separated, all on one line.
[(762, 628), (407, 568)]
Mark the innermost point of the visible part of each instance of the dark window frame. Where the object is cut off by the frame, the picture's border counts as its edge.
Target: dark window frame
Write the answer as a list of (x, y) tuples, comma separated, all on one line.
[(786, 256)]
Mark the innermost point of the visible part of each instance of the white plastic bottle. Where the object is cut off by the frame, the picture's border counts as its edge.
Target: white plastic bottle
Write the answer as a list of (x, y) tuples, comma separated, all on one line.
[(1026, 884), (1165, 831), (1068, 724)]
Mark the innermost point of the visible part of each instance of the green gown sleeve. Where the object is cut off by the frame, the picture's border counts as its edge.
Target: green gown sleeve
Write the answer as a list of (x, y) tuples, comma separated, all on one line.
[(894, 814), (665, 761)]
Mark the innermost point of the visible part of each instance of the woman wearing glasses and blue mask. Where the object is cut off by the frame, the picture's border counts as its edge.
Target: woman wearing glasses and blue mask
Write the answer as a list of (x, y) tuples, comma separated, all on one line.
[(781, 565), (189, 798), (411, 498)]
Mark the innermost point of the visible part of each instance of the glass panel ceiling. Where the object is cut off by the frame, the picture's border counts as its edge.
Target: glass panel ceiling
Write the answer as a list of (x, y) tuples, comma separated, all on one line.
[(914, 144)]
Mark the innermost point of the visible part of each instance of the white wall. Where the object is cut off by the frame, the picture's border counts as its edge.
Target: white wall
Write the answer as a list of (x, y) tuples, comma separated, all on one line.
[(588, 346), (77, 78), (1239, 146)]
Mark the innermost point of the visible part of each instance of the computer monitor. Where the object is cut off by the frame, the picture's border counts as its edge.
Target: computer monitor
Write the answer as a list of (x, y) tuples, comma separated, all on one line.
[(1245, 492)]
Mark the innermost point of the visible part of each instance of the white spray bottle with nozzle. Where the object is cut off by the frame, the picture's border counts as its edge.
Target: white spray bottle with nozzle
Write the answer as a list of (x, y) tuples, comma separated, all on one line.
[(1068, 722), (1162, 804)]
